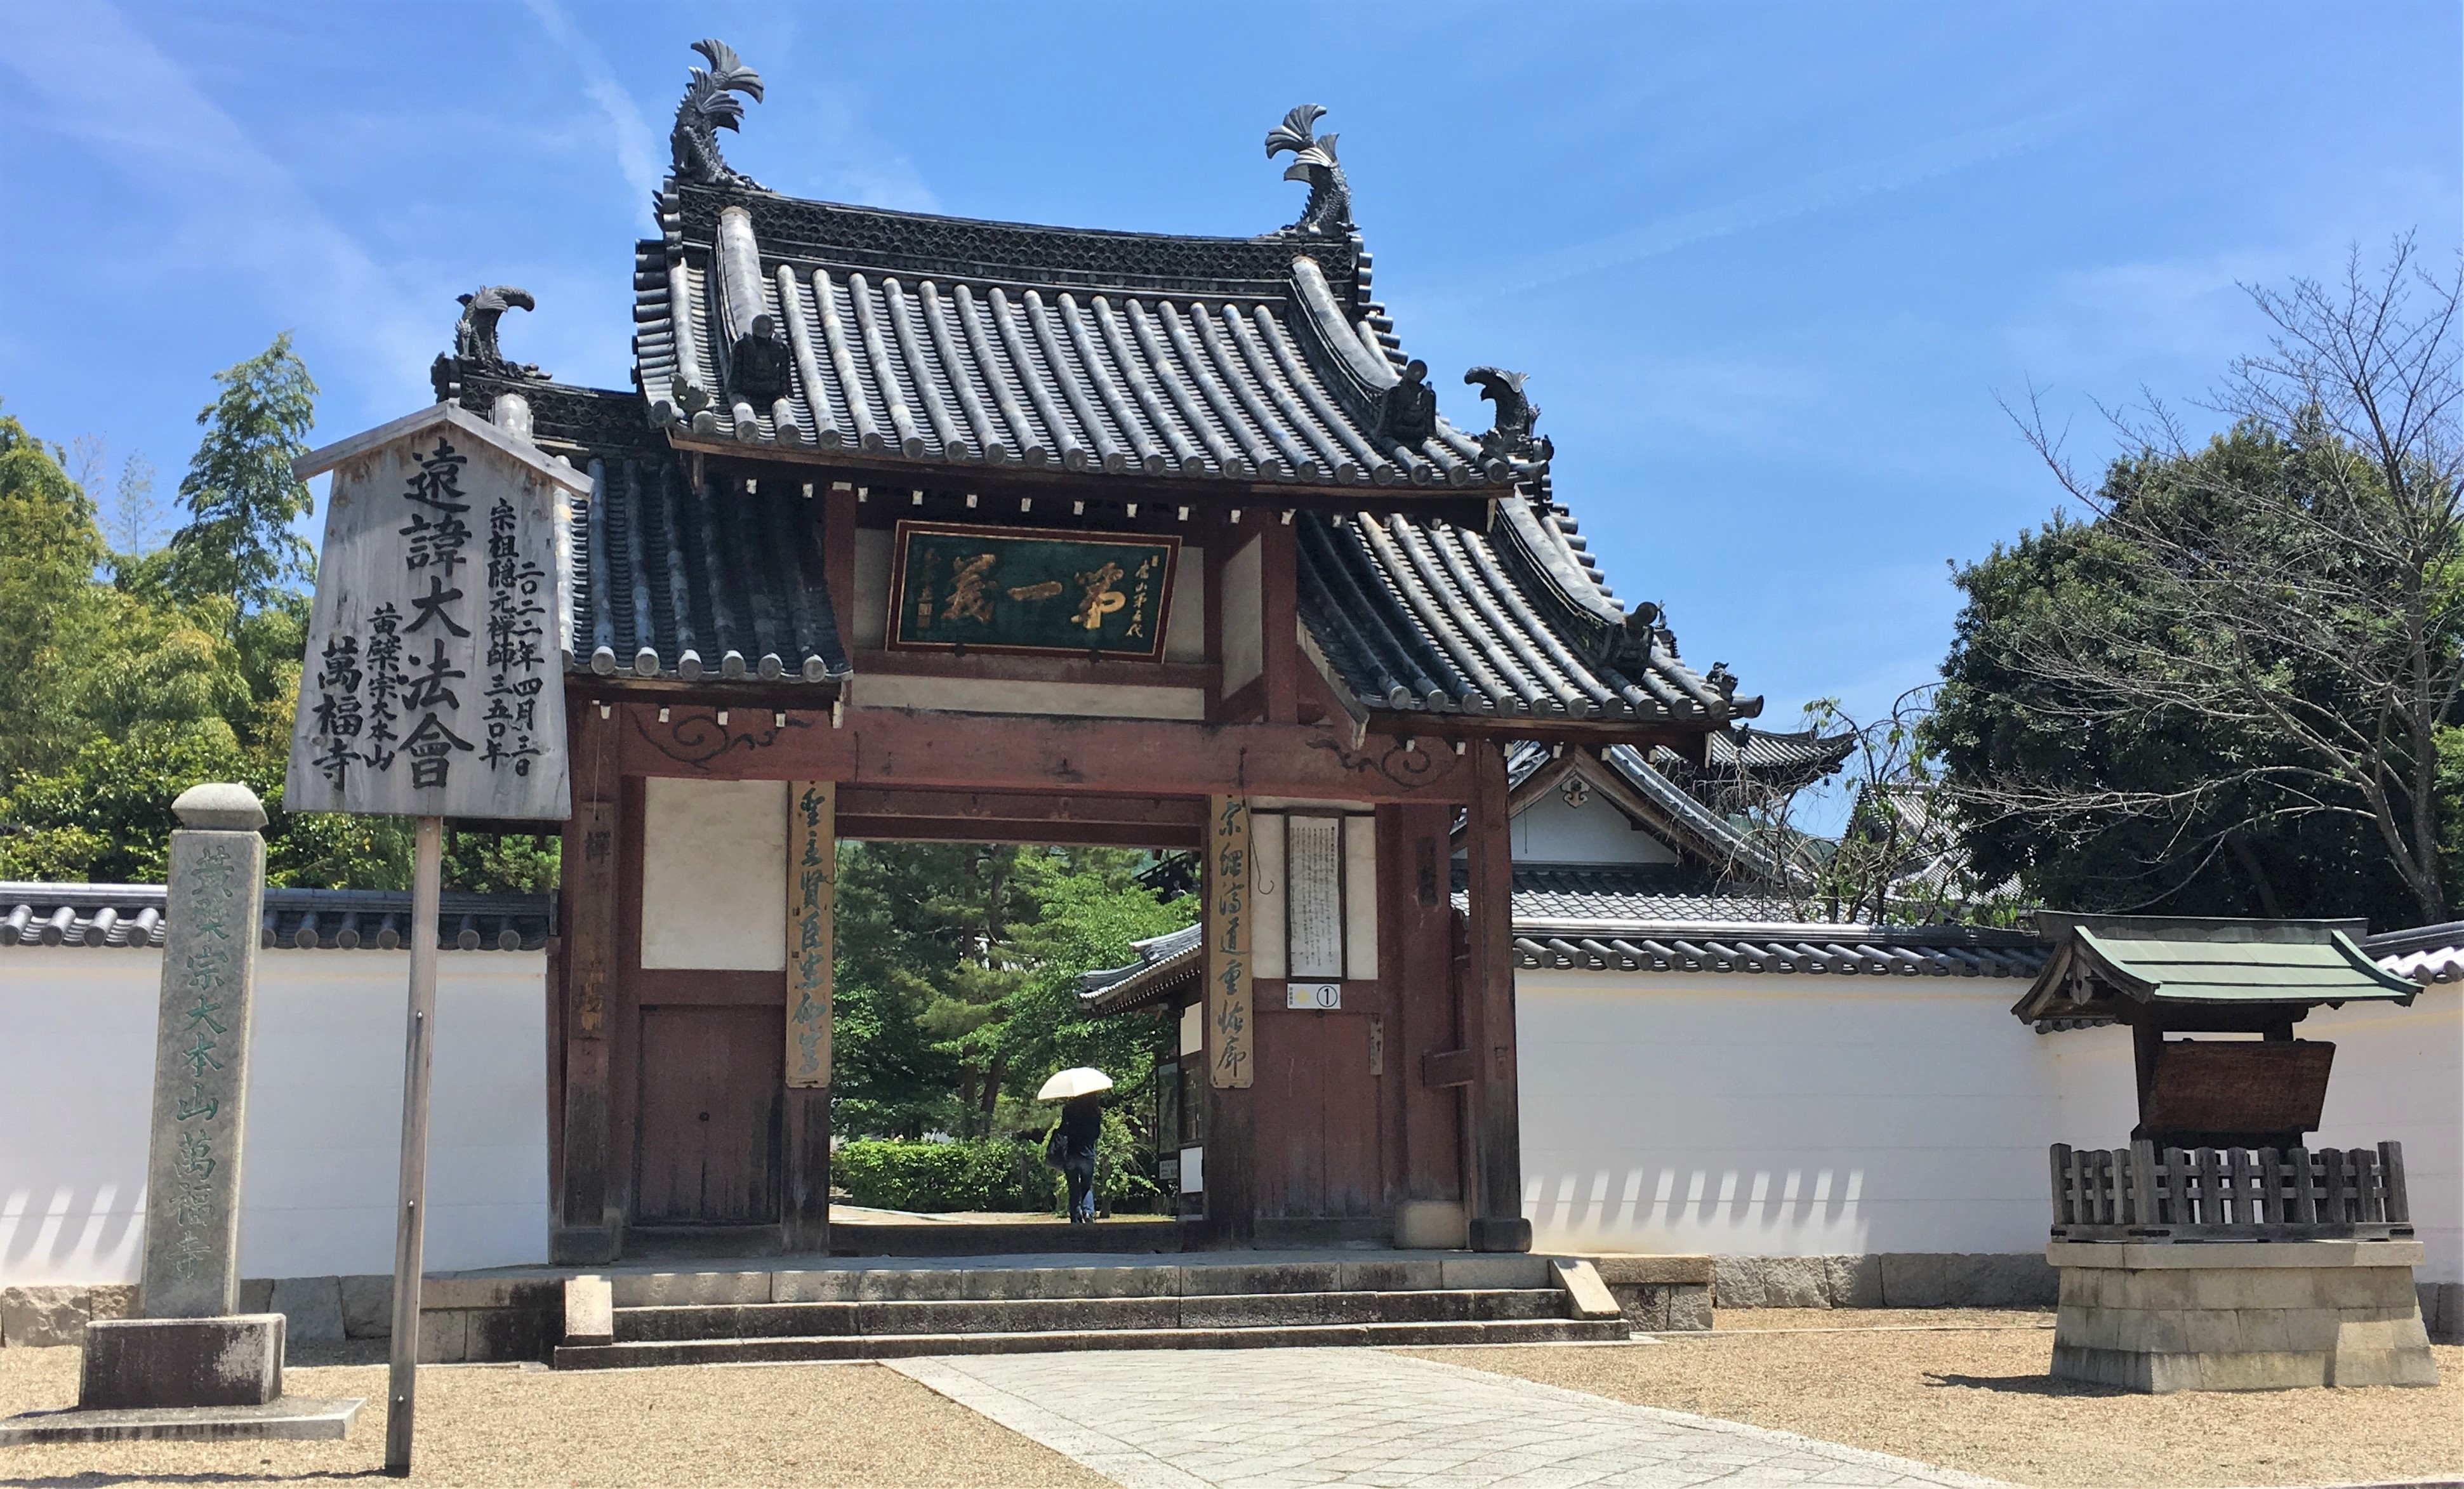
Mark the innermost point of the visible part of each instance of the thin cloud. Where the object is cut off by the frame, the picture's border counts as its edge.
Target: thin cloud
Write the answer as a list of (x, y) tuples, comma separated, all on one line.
[(229, 202), (636, 147), (1797, 199)]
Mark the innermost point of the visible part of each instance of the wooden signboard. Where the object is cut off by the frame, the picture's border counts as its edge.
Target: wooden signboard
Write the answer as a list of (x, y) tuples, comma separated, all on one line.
[(1020, 591), (1313, 896), (1231, 1037), (433, 683), (2239, 1085), (812, 878)]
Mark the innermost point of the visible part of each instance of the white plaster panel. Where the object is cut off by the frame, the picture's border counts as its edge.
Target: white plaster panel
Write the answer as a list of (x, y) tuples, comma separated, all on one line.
[(1548, 831), (1360, 897), (870, 605), (1267, 901), (2399, 1076), (985, 695), (1193, 1029), (325, 1112), (714, 874), (1243, 605), (1184, 630), (1769, 1115)]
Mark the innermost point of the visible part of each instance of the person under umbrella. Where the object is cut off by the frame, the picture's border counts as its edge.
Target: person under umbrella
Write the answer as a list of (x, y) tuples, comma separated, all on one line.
[(1071, 1148)]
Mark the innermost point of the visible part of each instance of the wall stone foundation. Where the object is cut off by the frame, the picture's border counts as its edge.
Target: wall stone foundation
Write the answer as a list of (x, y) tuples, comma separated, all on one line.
[(2254, 1316), (461, 1320), (1887, 1280), (1660, 1294)]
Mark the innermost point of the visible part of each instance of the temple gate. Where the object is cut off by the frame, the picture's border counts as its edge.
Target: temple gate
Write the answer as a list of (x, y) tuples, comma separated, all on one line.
[(921, 528)]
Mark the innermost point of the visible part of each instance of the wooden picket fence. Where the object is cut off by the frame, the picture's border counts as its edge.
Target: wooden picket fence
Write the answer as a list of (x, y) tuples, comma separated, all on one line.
[(2141, 1193)]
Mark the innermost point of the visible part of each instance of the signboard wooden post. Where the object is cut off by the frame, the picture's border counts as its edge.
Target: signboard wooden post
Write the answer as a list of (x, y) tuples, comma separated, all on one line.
[(432, 688)]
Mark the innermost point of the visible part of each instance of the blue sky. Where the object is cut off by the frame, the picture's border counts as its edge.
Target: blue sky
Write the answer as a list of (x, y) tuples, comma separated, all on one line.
[(1768, 265)]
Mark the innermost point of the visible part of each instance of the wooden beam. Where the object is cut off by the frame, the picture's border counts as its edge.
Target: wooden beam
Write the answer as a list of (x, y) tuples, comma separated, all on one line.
[(887, 747), (1034, 830), (890, 802), (1114, 673)]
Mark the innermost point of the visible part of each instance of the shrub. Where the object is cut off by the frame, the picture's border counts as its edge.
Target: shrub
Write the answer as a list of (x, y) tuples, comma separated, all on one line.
[(993, 1173)]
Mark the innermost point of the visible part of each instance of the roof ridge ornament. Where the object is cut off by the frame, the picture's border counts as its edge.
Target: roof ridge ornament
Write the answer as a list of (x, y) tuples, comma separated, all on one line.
[(710, 105), (1509, 436), (475, 340), (1327, 212)]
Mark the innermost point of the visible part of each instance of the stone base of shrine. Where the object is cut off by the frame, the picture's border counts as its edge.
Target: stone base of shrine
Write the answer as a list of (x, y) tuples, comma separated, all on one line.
[(2239, 1315), (145, 1364)]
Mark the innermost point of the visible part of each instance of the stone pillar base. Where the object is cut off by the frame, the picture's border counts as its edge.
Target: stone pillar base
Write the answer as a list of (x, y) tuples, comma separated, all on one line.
[(2239, 1315), (1496, 1233), (225, 1362)]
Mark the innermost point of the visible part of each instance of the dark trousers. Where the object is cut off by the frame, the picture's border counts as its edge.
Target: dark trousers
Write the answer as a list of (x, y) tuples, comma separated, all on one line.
[(1078, 1168)]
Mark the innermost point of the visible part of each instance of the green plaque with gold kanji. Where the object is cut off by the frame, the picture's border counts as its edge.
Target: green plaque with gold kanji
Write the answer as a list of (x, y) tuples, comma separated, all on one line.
[(1018, 590)]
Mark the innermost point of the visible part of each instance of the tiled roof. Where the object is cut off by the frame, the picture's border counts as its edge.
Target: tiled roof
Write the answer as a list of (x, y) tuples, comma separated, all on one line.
[(725, 580), (1163, 963), (131, 915), (1624, 920), (1765, 757), (1420, 616), (951, 341), (1553, 895), (2427, 953)]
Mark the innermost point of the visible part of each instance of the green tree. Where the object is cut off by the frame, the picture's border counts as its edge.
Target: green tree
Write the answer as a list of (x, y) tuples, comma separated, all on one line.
[(49, 551), (958, 971), (239, 493), (2227, 691)]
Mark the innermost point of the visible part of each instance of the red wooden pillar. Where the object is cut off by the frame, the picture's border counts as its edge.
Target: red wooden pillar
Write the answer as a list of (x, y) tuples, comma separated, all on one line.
[(1418, 933), (1496, 1167), (587, 1229), (1278, 618)]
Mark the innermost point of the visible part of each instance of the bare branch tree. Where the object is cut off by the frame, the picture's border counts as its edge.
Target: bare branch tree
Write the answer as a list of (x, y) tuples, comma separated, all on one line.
[(2313, 595)]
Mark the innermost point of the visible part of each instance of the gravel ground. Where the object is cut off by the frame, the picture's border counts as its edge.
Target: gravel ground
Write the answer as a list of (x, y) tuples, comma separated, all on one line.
[(794, 1424), (1980, 1400)]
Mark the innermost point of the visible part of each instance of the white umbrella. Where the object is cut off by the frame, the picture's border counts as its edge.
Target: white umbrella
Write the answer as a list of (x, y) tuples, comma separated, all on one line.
[(1070, 1085)]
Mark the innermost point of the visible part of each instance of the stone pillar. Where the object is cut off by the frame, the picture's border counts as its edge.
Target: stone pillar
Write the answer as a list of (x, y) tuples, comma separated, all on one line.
[(214, 899), (188, 1347)]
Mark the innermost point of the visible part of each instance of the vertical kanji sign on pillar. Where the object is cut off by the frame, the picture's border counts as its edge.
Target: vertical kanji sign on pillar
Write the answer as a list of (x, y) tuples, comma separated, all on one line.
[(434, 687), (1231, 1049)]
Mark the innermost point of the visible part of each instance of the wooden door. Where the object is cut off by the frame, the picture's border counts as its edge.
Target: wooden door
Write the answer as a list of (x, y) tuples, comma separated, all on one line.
[(711, 1082), (1318, 1146)]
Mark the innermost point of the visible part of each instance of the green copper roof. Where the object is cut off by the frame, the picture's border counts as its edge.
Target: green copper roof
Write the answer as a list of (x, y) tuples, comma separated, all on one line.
[(2212, 963)]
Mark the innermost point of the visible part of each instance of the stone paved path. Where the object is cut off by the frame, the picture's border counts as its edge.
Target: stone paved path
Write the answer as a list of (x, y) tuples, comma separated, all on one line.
[(1283, 1418)]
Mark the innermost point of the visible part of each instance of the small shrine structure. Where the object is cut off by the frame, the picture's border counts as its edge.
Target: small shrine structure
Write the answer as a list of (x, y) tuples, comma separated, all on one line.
[(2217, 1252), (918, 527)]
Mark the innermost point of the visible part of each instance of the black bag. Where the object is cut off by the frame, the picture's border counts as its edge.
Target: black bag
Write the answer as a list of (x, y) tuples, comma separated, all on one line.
[(1056, 1147)]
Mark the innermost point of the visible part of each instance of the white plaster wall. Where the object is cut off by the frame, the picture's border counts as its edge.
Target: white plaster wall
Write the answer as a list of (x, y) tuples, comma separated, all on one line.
[(325, 1112), (1810, 1115), (714, 874), (1798, 1115), (2399, 1075), (1548, 831)]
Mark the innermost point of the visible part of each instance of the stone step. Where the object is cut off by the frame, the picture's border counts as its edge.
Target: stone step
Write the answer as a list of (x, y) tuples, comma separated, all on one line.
[(1022, 1315), (892, 1283), (741, 1351)]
